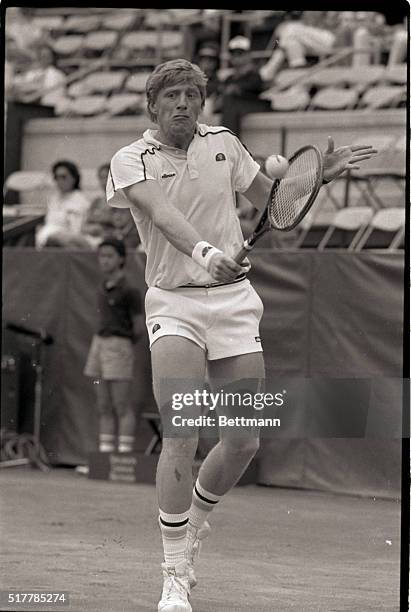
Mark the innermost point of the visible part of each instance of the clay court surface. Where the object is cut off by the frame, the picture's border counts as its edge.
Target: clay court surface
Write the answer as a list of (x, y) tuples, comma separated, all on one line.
[(271, 550)]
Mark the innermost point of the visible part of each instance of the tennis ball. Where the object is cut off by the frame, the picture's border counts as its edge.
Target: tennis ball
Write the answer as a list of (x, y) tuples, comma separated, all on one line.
[(276, 166)]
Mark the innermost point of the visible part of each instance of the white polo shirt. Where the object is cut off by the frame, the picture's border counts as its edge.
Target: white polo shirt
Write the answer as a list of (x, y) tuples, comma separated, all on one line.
[(200, 182)]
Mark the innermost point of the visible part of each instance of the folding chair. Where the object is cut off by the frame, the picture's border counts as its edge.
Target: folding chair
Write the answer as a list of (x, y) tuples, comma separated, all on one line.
[(381, 179), (334, 98), (140, 40), (121, 103), (383, 96), (32, 185), (137, 82), (68, 45), (390, 220), (351, 219), (293, 99), (121, 20), (81, 23), (88, 105), (105, 81), (97, 42)]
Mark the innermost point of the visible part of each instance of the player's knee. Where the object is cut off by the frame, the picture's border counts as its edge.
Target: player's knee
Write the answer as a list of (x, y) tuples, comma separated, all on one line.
[(244, 447), (180, 447)]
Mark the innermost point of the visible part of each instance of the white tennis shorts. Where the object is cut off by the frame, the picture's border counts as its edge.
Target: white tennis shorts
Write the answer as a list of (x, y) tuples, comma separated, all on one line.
[(224, 321)]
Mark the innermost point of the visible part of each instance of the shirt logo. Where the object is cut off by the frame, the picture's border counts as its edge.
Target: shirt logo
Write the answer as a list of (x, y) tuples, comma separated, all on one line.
[(220, 157), (169, 175), (257, 339), (205, 251), (156, 327)]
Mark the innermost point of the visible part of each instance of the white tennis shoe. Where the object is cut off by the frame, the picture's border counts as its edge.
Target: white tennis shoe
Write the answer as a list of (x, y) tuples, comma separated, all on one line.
[(176, 588), (194, 544)]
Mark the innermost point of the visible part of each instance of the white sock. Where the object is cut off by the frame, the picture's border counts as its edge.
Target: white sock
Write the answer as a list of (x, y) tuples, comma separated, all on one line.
[(125, 444), (106, 443), (202, 504), (173, 531)]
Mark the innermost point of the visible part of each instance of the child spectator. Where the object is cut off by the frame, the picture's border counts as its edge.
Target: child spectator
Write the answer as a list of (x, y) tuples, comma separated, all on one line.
[(111, 356)]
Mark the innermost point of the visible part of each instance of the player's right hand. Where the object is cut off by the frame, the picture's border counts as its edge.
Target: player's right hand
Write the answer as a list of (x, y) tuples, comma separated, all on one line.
[(223, 268)]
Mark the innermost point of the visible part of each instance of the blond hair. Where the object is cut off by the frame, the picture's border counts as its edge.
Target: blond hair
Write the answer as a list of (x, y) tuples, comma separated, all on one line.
[(171, 73)]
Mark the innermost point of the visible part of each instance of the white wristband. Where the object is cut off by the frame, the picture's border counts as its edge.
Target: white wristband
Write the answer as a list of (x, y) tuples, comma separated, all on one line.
[(203, 252)]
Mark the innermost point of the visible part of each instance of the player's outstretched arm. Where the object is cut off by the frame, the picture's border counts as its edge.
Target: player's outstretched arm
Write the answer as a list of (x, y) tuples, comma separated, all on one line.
[(148, 198), (344, 158)]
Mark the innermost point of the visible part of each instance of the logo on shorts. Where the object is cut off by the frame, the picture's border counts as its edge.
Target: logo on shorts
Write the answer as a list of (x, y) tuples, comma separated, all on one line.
[(205, 251), (220, 157), (257, 339), (169, 175), (156, 327)]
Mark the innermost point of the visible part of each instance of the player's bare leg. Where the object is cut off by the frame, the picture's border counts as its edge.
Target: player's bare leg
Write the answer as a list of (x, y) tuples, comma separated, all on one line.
[(228, 460), (178, 367), (107, 418), (123, 407)]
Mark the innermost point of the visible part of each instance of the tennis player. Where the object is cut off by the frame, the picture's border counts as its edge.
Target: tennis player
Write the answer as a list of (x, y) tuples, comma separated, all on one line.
[(202, 313)]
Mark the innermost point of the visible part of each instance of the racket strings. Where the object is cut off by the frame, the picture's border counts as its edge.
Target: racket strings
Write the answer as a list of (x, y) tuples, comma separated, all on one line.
[(291, 195)]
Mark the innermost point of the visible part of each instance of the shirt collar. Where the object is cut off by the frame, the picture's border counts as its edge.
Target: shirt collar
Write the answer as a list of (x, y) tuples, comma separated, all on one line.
[(150, 137)]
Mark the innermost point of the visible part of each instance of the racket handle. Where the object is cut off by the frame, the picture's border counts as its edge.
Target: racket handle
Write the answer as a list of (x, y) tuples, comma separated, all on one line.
[(242, 254)]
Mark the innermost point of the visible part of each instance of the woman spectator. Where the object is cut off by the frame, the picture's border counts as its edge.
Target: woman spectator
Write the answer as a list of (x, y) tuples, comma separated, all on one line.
[(66, 210)]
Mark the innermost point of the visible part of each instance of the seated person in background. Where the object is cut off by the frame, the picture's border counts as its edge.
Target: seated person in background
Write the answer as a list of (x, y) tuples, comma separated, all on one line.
[(66, 210), (42, 82), (299, 37), (103, 221), (240, 90), (99, 221), (208, 61)]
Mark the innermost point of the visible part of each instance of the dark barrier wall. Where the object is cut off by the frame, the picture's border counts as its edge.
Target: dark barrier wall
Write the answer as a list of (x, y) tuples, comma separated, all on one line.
[(334, 315)]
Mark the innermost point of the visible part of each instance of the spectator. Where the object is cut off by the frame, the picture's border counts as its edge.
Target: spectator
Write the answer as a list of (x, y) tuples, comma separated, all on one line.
[(111, 354), (242, 87), (297, 39), (66, 210), (208, 61), (22, 33), (99, 220), (398, 45), (43, 82), (103, 221)]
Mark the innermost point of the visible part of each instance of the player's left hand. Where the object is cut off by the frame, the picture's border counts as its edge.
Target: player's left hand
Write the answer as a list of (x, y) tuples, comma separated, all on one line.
[(344, 158)]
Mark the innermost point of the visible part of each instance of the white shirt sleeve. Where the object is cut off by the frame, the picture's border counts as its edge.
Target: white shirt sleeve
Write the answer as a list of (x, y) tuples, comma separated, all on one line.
[(127, 167), (245, 168)]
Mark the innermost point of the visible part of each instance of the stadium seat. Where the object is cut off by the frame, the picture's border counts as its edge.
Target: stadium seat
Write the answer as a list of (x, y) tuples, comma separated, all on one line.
[(78, 88), (121, 20), (88, 105), (329, 77), (104, 82), (351, 219), (33, 186), (390, 220), (293, 99), (334, 98), (137, 82), (140, 40), (82, 23), (363, 76), (383, 96), (288, 77), (121, 103), (52, 23), (68, 45), (100, 41), (170, 40)]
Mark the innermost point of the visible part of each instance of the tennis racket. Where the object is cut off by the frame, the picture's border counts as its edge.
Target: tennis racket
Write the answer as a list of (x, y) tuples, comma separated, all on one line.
[(291, 197)]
